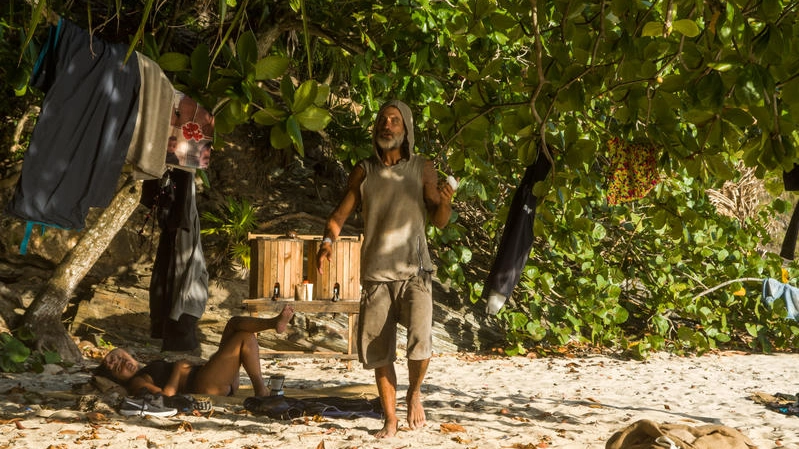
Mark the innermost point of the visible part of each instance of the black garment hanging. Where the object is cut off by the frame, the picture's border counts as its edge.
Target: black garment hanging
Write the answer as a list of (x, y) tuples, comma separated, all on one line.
[(790, 180), (517, 237), (179, 284)]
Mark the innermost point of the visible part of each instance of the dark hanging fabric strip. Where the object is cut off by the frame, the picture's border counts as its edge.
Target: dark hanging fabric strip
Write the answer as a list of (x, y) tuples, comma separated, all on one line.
[(517, 237), (790, 181), (791, 232)]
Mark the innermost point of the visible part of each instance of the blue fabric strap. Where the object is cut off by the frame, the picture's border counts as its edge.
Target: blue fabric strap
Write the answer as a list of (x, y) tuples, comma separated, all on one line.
[(23, 247)]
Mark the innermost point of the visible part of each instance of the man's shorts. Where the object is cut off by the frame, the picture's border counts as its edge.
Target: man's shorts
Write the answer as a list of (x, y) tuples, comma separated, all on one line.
[(386, 304)]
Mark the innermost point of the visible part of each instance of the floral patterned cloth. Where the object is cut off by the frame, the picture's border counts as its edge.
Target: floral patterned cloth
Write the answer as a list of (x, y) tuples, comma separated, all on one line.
[(192, 134), (633, 171)]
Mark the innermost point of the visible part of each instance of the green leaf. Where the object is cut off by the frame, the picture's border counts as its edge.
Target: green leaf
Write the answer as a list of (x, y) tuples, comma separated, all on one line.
[(685, 334), (710, 90), (313, 118), (738, 117), (278, 137), (16, 351), (271, 67), (269, 116), (721, 66), (687, 27), (287, 91), (698, 116), (200, 64), (174, 62), (598, 232), (652, 29), (295, 134), (304, 96), (322, 93), (247, 51)]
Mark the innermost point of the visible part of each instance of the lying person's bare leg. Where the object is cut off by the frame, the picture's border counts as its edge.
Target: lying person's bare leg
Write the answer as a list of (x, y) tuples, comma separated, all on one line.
[(238, 348), (254, 324), (220, 375)]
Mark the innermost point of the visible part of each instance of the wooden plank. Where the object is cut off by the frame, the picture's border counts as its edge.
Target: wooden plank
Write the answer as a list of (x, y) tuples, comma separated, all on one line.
[(344, 268), (256, 266), (115, 314), (275, 261), (351, 323), (251, 236), (294, 354), (318, 306)]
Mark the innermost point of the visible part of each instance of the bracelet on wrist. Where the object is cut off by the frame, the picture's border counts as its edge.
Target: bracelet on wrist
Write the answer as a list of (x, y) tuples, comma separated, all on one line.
[(327, 240)]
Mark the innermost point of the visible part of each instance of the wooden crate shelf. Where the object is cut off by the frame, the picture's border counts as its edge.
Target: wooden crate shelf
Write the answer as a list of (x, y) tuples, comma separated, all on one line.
[(289, 260)]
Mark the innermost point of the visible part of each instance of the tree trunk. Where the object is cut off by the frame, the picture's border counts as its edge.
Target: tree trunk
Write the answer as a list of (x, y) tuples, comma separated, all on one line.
[(43, 316)]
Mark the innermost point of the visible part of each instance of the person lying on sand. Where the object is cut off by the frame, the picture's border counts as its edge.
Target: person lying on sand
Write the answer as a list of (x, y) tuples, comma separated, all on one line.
[(219, 376)]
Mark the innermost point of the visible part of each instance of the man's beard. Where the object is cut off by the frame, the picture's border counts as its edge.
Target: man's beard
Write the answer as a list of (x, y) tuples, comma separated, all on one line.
[(390, 143)]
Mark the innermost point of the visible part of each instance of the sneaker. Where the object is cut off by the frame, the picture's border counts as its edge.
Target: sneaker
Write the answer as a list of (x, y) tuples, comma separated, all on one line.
[(146, 406)]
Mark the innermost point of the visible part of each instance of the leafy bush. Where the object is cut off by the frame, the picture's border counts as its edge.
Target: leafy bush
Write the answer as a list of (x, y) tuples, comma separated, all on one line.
[(16, 357), (232, 224), (631, 277)]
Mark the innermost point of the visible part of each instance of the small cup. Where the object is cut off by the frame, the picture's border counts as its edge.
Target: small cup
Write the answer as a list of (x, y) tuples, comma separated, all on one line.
[(276, 384), (308, 292)]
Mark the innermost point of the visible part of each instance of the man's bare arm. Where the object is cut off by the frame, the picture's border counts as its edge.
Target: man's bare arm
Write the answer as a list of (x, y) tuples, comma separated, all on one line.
[(351, 199), (437, 196)]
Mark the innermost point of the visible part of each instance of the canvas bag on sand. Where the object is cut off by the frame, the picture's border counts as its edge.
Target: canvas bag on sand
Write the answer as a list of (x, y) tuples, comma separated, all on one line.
[(646, 434)]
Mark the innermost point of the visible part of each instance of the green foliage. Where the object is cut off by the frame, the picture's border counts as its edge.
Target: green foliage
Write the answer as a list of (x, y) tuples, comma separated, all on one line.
[(629, 276), (235, 86), (493, 85), (15, 72), (16, 356), (235, 220)]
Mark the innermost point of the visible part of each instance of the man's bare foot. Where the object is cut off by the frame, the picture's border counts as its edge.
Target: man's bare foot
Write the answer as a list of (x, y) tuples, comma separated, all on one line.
[(283, 319), (389, 429), (416, 416)]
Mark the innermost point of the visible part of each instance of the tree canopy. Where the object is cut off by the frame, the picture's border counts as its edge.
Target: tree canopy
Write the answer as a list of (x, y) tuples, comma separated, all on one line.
[(708, 91)]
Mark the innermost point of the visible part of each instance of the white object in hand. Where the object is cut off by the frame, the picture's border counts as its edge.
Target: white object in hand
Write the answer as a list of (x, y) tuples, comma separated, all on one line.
[(452, 182)]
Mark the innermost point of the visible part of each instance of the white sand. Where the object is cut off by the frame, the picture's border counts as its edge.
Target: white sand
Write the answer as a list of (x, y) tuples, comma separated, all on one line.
[(471, 402)]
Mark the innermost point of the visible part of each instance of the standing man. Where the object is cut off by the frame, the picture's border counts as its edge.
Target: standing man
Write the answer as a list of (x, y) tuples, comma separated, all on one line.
[(397, 190)]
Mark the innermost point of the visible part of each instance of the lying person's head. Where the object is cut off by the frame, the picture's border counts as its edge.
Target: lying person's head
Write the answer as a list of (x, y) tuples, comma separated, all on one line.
[(119, 365)]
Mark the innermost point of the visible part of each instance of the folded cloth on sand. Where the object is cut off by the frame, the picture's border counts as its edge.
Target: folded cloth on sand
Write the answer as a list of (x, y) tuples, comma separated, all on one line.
[(283, 407), (646, 434), (787, 404), (774, 289)]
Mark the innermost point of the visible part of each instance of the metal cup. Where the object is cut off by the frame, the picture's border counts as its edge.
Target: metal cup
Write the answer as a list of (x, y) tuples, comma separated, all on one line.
[(275, 384)]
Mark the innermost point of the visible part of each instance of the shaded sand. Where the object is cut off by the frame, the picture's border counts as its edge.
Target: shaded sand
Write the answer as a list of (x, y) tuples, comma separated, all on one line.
[(471, 402)]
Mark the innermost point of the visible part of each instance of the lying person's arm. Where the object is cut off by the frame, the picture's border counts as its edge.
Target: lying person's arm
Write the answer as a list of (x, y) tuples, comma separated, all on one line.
[(179, 373), (142, 381)]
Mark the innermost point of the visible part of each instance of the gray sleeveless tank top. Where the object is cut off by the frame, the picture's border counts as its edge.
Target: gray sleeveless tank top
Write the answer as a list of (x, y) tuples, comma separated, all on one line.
[(394, 215)]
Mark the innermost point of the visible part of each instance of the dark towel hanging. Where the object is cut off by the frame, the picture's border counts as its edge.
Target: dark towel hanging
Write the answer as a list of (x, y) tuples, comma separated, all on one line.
[(517, 237)]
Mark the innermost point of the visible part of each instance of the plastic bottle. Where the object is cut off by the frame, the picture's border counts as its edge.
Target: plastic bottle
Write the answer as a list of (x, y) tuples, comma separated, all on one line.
[(336, 292)]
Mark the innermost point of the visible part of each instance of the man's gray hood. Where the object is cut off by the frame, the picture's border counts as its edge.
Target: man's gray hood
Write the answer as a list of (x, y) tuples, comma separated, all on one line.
[(407, 118)]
